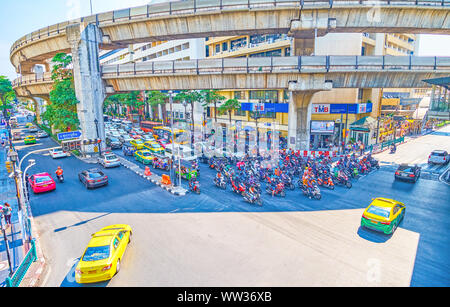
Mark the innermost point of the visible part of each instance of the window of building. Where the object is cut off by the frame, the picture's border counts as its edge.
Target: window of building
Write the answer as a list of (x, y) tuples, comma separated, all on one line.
[(360, 93), (240, 113), (264, 96), (217, 48), (238, 43), (224, 46), (239, 95), (207, 51)]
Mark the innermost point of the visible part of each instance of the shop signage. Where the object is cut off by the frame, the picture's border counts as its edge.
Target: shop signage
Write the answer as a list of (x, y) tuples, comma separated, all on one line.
[(322, 127), (341, 108), (321, 109)]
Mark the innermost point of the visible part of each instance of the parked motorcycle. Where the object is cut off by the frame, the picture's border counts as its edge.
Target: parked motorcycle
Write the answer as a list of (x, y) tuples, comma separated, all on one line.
[(312, 193), (253, 198), (220, 183), (60, 178), (194, 187), (277, 190)]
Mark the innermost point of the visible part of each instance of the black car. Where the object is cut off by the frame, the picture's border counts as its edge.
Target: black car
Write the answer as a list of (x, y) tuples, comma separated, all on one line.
[(93, 178), (408, 172), (113, 142)]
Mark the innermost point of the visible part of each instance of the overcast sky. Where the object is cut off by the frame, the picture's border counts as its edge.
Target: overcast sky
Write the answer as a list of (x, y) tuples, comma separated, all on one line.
[(21, 17)]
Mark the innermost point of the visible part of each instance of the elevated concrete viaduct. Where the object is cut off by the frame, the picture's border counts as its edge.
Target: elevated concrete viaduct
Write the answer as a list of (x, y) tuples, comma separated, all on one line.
[(303, 76), (303, 20)]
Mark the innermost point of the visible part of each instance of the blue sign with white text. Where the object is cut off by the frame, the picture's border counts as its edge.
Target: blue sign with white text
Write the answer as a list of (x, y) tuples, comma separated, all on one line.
[(69, 135)]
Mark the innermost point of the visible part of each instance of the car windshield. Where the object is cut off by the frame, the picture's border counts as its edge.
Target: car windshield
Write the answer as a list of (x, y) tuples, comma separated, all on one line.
[(146, 154), (111, 157), (114, 140), (57, 150), (380, 211), (95, 175), (96, 253), (43, 179), (438, 153)]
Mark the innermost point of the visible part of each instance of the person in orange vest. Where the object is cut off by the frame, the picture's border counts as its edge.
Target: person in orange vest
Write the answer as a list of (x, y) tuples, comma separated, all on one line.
[(59, 171)]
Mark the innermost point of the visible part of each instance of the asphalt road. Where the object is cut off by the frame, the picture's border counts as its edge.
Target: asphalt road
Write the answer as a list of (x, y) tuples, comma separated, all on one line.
[(217, 239)]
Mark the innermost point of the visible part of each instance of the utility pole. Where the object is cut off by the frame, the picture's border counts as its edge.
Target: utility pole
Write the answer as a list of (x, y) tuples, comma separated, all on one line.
[(5, 238)]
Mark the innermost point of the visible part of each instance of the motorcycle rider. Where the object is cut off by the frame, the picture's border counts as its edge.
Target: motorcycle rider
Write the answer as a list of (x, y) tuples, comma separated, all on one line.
[(59, 172), (252, 193)]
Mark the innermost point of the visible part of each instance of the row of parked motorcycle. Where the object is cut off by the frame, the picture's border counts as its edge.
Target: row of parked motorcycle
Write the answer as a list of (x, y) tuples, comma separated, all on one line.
[(308, 174)]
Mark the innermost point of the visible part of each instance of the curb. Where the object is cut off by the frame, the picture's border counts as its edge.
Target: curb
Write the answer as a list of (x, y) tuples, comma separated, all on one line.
[(170, 189), (35, 272)]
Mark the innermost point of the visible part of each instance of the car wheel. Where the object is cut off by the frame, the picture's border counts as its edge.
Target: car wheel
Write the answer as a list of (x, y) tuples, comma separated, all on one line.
[(117, 267)]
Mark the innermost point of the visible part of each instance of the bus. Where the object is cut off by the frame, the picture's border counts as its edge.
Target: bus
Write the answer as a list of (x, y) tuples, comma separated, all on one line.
[(165, 134), (148, 126)]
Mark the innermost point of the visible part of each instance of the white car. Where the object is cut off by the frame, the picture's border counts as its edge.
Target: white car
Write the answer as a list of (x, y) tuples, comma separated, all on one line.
[(58, 153), (109, 159), (42, 134), (439, 157)]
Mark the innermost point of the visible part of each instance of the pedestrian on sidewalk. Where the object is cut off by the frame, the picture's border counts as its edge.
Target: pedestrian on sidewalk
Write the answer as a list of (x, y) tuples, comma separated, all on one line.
[(361, 148), (7, 212)]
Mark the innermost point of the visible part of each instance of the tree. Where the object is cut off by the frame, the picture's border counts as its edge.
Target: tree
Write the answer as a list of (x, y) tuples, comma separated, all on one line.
[(156, 98), (211, 97), (62, 112), (7, 94), (228, 107), (189, 97)]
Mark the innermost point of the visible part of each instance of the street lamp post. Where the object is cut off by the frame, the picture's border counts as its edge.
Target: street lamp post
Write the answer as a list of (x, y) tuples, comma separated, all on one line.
[(172, 171), (98, 137), (5, 238)]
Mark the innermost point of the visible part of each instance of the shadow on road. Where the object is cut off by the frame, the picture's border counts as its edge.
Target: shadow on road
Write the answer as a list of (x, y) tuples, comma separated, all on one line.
[(81, 223), (372, 235), (70, 281)]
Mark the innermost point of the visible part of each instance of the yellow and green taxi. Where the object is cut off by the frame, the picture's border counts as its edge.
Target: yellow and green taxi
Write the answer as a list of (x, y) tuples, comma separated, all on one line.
[(30, 140), (28, 125), (101, 259), (154, 147), (383, 215), (144, 156), (137, 144)]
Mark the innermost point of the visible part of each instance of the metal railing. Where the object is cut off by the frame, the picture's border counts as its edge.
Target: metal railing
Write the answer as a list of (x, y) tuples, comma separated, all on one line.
[(294, 64), (194, 6), (18, 276)]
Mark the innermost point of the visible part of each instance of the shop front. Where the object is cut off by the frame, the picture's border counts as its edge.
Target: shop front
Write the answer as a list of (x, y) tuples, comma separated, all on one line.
[(341, 116)]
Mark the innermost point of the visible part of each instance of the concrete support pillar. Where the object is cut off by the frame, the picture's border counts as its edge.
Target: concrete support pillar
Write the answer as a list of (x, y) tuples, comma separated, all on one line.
[(89, 87), (299, 120), (299, 116), (37, 110)]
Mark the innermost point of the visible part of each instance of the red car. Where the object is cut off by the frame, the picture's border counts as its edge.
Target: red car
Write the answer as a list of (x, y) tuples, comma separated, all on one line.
[(136, 136), (42, 183)]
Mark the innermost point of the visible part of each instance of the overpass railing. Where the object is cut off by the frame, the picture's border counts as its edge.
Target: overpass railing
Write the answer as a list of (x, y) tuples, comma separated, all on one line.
[(194, 6), (293, 64)]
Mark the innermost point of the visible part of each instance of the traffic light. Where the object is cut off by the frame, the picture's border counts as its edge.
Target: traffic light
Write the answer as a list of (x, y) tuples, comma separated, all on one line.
[(9, 166)]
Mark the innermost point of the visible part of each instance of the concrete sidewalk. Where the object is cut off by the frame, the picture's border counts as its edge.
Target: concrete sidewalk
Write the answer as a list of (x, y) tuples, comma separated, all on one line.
[(16, 251)]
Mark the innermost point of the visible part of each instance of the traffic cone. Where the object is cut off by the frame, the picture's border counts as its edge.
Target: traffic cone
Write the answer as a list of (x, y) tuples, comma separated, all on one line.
[(147, 173)]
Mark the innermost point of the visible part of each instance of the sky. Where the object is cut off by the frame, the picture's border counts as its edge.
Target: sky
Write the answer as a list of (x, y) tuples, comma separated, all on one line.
[(21, 17)]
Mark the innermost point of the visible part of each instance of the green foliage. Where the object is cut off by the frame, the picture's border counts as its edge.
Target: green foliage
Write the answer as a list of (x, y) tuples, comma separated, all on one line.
[(229, 106), (7, 94), (62, 112), (211, 97)]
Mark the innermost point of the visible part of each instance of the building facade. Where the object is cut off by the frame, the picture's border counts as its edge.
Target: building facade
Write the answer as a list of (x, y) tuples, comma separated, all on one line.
[(338, 108)]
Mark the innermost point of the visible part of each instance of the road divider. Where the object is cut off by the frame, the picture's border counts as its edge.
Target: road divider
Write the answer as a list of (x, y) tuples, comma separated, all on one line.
[(153, 178)]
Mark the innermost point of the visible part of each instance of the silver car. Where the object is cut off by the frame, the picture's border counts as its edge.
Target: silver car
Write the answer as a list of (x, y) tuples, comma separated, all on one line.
[(109, 160), (439, 157)]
